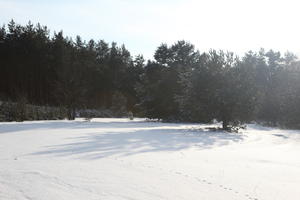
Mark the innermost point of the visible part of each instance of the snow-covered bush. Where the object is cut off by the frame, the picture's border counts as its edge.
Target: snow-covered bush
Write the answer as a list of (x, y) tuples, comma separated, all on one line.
[(20, 111)]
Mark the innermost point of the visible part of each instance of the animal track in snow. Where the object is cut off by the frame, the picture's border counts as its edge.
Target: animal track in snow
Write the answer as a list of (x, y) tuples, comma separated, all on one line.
[(188, 176)]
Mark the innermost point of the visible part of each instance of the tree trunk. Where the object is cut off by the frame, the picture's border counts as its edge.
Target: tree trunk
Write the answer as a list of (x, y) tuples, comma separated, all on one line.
[(71, 113), (225, 124)]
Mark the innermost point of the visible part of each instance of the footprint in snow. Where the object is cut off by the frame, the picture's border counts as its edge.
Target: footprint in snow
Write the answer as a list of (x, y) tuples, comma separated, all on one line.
[(204, 181)]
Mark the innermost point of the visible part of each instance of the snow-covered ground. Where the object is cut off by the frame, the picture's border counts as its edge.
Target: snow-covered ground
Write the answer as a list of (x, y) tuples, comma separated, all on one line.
[(116, 159)]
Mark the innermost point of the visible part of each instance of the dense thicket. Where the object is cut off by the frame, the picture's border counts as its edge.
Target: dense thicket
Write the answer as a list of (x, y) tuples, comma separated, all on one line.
[(59, 71), (180, 84), (184, 85)]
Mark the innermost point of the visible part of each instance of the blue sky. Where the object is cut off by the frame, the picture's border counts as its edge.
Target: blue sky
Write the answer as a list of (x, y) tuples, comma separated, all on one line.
[(142, 25)]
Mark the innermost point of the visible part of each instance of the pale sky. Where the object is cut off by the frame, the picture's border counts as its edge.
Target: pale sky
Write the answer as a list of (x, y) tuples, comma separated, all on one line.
[(142, 25)]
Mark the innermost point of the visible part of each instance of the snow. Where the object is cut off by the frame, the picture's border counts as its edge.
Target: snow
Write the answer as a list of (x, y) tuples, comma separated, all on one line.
[(119, 159)]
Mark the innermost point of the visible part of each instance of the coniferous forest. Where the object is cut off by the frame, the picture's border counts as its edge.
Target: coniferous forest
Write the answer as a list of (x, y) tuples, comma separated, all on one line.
[(180, 84)]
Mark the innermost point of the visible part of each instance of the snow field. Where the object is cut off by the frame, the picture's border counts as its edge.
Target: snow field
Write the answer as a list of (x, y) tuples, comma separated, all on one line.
[(119, 159)]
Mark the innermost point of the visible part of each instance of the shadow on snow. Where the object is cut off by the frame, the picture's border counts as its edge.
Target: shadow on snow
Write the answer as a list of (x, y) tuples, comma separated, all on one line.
[(147, 137)]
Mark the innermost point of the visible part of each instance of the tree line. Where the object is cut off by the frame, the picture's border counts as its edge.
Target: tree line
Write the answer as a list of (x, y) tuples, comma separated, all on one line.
[(180, 84), (60, 71)]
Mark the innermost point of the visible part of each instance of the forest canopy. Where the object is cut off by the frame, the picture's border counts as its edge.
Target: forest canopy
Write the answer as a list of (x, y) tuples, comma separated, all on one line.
[(180, 84)]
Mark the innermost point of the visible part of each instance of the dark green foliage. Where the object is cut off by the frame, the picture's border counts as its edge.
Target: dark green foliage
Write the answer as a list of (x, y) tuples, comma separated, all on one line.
[(60, 72), (161, 86), (95, 78), (261, 87)]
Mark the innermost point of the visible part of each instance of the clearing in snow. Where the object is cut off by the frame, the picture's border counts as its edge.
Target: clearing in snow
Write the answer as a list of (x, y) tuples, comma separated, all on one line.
[(116, 159)]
